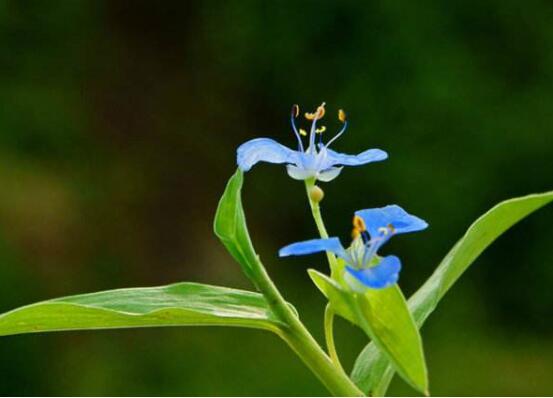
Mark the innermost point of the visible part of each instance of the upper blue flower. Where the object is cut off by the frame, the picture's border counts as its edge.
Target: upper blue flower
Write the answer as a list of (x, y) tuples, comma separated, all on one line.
[(371, 229), (317, 161)]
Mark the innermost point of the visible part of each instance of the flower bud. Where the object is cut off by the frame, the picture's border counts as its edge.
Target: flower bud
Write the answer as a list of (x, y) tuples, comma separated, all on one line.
[(316, 194)]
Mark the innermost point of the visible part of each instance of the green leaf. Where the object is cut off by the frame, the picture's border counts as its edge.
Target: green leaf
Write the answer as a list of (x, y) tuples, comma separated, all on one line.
[(372, 371), (230, 226), (395, 333), (336, 296), (181, 304), (385, 318)]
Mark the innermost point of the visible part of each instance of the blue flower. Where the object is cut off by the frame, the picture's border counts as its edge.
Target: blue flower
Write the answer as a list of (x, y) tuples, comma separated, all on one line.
[(317, 161), (371, 229)]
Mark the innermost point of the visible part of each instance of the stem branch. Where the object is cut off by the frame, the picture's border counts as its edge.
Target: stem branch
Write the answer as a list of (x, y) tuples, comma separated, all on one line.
[(300, 340), (329, 337)]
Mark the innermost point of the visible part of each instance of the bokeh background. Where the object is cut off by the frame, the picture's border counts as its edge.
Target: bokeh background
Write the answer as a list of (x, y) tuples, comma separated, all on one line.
[(118, 127)]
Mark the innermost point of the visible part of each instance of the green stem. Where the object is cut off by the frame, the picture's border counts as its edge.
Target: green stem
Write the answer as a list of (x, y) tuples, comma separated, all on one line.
[(300, 340), (333, 263), (329, 337), (317, 216)]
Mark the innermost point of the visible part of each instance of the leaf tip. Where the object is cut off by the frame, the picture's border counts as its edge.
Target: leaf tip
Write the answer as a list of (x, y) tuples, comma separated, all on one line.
[(226, 209)]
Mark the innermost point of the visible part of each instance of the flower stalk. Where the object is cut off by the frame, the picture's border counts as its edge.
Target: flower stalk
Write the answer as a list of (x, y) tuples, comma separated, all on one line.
[(329, 337), (319, 222)]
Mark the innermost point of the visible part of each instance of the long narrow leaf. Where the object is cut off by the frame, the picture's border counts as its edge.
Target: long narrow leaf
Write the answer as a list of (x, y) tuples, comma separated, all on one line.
[(372, 372), (181, 304)]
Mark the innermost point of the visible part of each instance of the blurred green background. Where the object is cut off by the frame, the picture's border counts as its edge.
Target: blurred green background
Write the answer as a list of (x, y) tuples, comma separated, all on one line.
[(118, 127)]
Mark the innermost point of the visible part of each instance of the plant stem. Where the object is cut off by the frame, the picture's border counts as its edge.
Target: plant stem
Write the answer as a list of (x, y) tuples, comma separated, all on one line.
[(316, 212), (300, 340), (332, 261), (329, 337)]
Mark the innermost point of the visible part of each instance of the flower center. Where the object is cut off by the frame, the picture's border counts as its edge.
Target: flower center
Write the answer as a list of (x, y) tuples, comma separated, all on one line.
[(314, 130), (364, 247)]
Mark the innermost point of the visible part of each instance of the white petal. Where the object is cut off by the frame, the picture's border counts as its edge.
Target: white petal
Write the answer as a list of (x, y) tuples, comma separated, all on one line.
[(330, 174), (298, 173)]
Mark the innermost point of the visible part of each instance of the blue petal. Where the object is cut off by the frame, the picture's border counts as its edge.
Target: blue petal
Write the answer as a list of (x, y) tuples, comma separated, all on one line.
[(393, 215), (332, 245), (263, 150), (384, 274), (342, 159)]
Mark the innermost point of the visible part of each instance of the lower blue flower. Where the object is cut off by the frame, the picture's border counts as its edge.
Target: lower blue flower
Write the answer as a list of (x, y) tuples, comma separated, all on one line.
[(371, 229)]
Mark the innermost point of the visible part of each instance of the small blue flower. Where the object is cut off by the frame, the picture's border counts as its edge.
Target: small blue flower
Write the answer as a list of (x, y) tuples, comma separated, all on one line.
[(317, 161), (371, 229)]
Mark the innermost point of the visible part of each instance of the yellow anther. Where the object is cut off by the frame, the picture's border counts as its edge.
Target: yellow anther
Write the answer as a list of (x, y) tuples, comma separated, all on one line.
[(358, 227), (303, 132), (295, 110), (391, 228), (320, 130), (359, 223), (321, 110), (342, 116), (318, 114), (383, 230)]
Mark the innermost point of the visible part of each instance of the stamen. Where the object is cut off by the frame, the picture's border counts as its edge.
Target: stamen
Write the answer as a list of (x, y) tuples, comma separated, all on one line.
[(318, 114), (355, 233), (295, 111), (303, 132), (342, 116), (360, 229), (359, 223), (370, 251), (377, 242), (320, 132), (294, 114), (321, 111)]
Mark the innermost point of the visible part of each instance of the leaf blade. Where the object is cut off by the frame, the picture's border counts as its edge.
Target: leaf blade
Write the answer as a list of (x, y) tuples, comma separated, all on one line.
[(383, 315), (336, 297), (230, 226), (181, 304), (372, 372), (394, 330)]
